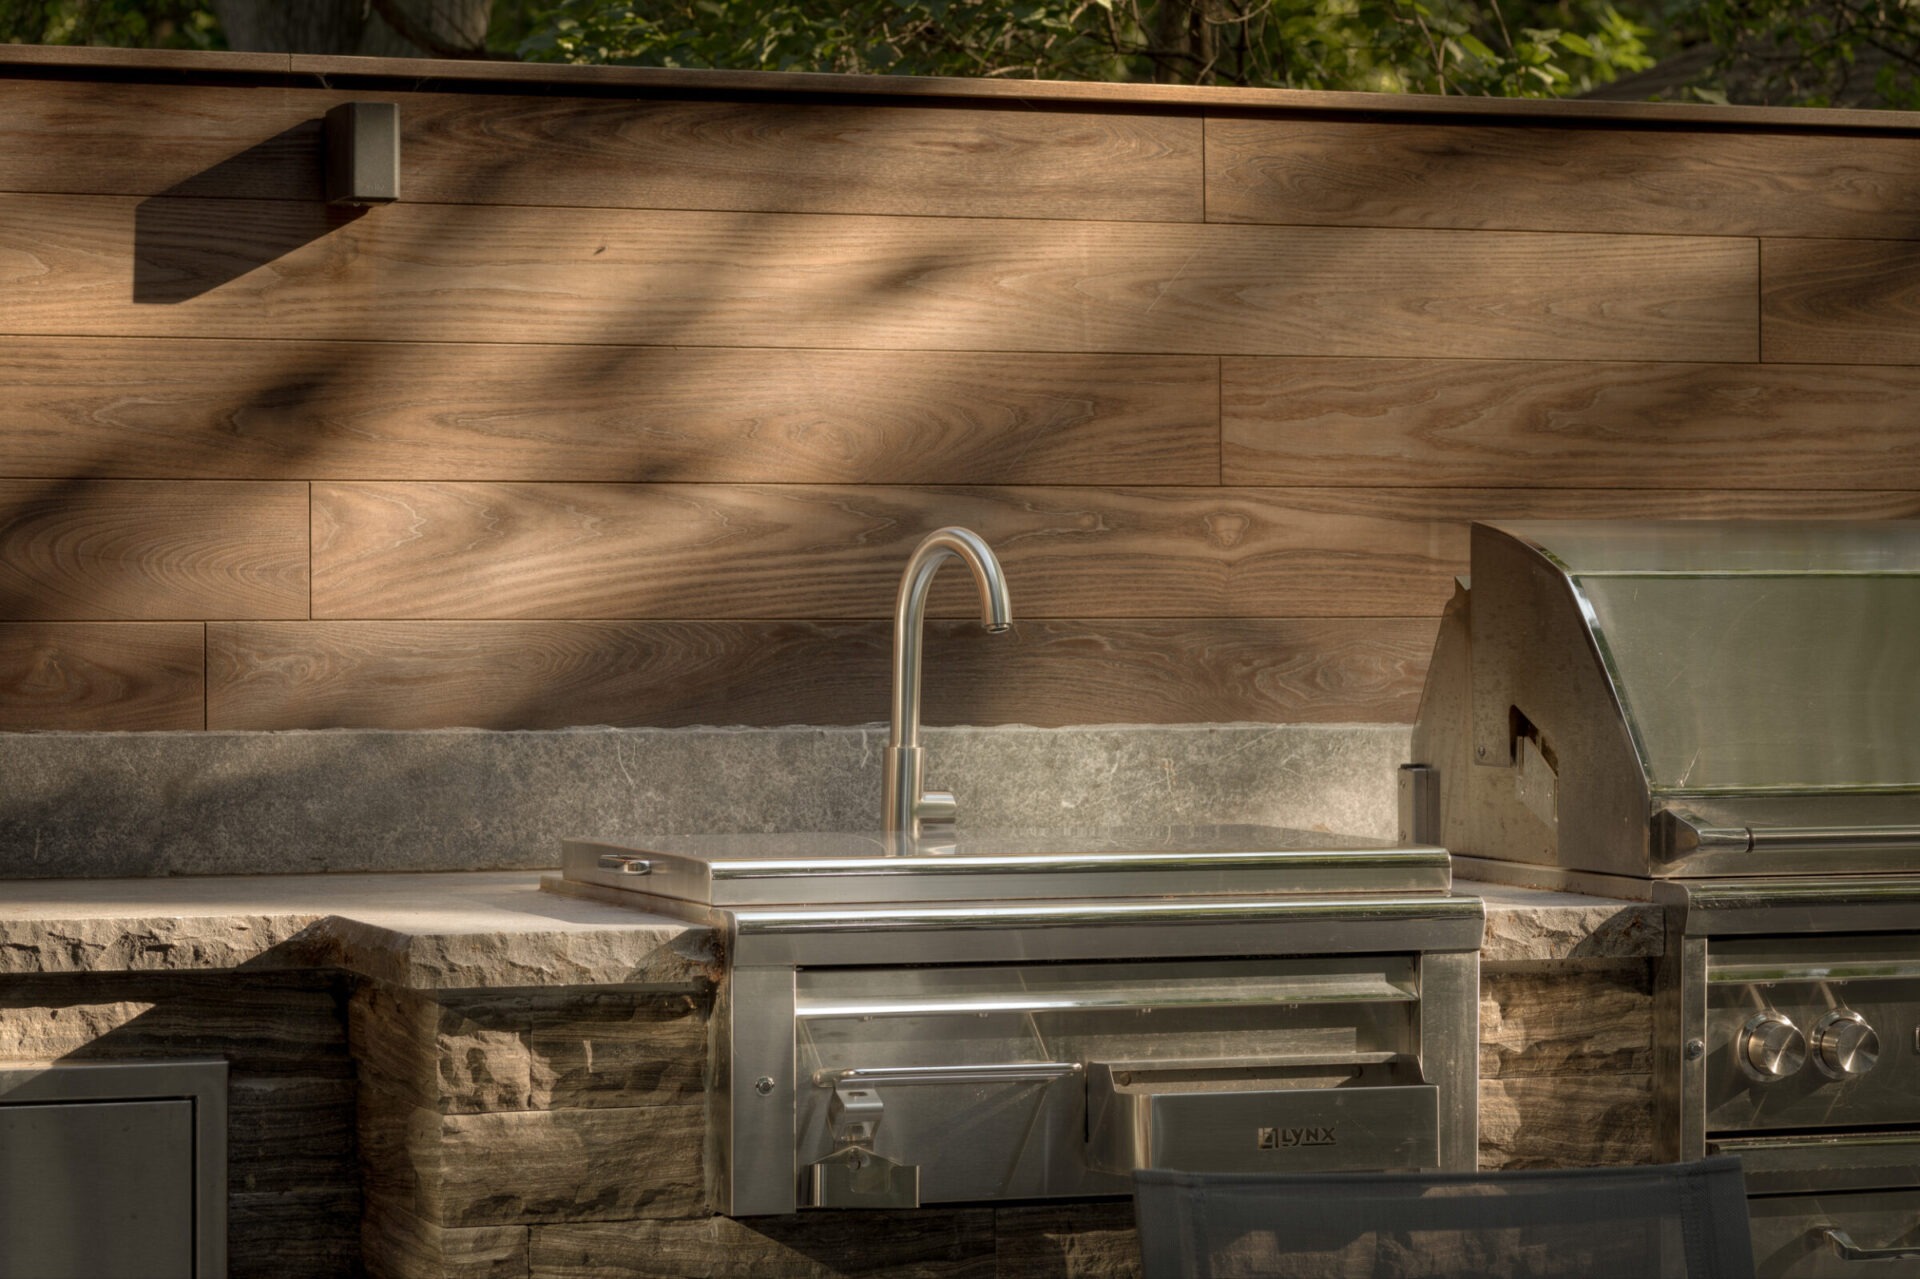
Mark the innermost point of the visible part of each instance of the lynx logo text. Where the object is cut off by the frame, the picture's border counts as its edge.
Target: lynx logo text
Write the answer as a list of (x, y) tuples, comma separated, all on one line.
[(1288, 1138)]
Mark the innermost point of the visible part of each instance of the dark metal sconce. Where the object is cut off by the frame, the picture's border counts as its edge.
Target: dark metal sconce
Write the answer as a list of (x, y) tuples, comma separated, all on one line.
[(363, 153)]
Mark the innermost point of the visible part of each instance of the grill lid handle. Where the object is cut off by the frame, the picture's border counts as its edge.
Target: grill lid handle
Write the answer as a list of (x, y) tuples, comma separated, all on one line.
[(1678, 833), (1847, 1250)]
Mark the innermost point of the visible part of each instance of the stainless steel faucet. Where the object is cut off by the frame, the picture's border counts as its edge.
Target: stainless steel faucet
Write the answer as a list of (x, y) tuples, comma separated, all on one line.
[(908, 803)]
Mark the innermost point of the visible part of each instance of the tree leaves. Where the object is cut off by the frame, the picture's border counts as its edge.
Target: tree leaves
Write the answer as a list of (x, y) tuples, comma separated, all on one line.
[(1442, 46)]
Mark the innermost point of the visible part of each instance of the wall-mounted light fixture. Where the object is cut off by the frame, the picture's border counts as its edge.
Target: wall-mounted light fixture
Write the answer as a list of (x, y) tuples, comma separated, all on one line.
[(363, 153)]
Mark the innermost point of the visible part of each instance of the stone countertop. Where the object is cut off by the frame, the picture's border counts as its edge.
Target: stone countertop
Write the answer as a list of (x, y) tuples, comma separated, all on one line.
[(452, 930), (445, 930), (1532, 925)]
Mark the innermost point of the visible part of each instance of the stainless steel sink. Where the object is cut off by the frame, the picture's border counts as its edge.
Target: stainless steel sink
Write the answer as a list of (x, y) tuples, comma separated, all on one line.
[(1031, 1015)]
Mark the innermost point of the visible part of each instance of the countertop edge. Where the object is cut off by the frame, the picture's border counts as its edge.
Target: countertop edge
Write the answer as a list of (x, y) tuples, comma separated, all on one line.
[(503, 932)]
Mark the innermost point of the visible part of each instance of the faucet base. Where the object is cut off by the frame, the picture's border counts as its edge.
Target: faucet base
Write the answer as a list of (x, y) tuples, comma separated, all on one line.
[(902, 782)]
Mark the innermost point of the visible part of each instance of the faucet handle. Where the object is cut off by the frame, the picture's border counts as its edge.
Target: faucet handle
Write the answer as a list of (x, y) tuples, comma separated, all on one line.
[(937, 806)]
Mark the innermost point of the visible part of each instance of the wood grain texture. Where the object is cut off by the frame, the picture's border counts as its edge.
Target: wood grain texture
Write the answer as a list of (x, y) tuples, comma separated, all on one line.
[(197, 408), (102, 676), (85, 550), (234, 141), (1596, 425), (803, 157), (522, 675), (261, 142), (454, 551), (1338, 173), (388, 74), (106, 266), (1840, 301)]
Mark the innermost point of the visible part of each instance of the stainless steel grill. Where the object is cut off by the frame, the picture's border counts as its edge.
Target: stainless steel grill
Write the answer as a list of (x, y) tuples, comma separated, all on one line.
[(1034, 1016), (1724, 718)]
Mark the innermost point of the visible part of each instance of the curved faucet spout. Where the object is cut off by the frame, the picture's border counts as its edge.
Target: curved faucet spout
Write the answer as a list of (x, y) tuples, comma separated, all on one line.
[(907, 801)]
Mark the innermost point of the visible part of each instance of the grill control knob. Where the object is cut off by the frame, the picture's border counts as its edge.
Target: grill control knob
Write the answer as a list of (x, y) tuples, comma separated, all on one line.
[(1845, 1046), (1772, 1047)]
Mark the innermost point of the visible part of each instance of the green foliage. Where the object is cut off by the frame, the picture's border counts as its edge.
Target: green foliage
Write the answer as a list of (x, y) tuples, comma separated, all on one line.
[(140, 24), (1433, 46), (1814, 54)]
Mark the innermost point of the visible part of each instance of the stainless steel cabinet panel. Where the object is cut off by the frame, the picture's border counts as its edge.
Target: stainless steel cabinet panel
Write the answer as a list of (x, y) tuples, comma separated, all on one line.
[(114, 1170), (97, 1190)]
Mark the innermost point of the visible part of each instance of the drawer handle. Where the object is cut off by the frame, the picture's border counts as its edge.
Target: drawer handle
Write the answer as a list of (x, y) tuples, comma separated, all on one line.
[(625, 864), (1012, 1072), (1842, 1244)]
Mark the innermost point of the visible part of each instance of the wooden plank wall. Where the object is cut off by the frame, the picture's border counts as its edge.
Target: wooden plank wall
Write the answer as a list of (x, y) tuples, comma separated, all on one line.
[(632, 410)]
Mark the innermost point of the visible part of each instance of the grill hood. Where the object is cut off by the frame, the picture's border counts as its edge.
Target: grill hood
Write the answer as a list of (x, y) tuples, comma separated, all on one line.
[(1663, 699)]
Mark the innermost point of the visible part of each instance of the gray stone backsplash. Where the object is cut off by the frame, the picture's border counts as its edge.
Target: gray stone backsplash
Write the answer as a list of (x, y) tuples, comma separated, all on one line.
[(137, 804)]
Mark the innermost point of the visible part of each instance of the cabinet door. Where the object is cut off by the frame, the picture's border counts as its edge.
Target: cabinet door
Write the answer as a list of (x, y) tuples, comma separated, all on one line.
[(97, 1190)]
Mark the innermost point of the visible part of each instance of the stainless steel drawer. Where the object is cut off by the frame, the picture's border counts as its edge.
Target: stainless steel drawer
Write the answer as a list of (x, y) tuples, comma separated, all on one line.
[(1309, 1119), (1791, 1234)]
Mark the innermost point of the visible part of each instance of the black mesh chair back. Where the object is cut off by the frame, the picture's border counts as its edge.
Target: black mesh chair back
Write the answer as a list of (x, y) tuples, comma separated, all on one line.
[(1675, 1221)]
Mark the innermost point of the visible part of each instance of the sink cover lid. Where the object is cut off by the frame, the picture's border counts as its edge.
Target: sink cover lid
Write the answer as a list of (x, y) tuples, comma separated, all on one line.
[(832, 868)]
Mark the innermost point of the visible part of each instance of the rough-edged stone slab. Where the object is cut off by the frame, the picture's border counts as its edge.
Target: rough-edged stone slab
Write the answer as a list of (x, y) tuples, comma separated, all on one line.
[(614, 1048), (294, 1234), (1566, 1121), (1586, 1020), (471, 1058), (153, 943), (471, 1052), (928, 1244), (289, 1134), (531, 953), (398, 1245), (1066, 1241), (147, 804), (1527, 925), (264, 1024), (532, 1165), (434, 931)]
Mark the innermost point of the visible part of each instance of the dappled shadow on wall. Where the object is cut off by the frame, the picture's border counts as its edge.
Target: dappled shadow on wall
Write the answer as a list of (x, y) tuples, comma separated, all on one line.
[(192, 238)]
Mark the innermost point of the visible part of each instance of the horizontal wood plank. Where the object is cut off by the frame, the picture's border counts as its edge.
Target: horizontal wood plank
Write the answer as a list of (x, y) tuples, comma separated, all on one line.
[(94, 137), (1840, 302), (211, 408), (803, 157), (673, 551), (1499, 423), (527, 675), (478, 74), (107, 266), (101, 676), (134, 550), (262, 142), (1535, 178)]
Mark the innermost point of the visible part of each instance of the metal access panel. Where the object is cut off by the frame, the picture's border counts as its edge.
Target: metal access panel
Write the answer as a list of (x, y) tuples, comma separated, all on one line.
[(112, 1170)]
